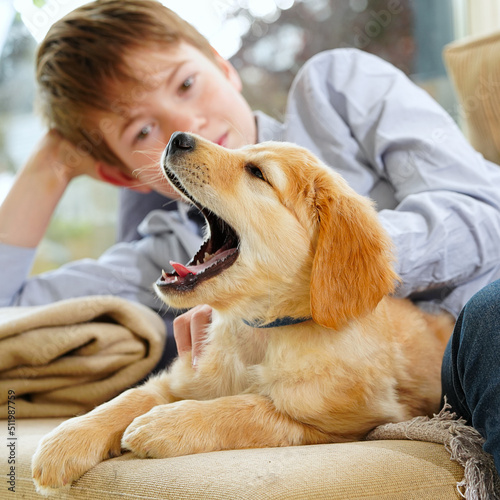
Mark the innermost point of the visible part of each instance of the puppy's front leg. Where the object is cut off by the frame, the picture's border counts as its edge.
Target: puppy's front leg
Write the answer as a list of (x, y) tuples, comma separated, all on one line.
[(231, 422), (82, 442)]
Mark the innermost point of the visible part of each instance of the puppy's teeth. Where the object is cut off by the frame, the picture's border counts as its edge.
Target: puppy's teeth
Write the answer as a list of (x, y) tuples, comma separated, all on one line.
[(207, 257), (163, 274)]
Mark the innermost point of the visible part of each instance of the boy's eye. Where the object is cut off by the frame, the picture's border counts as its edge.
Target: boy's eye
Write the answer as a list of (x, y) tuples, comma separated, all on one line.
[(186, 84), (145, 131)]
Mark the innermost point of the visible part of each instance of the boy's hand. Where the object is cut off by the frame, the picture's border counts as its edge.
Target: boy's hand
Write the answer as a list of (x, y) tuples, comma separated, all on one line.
[(190, 330), (67, 160)]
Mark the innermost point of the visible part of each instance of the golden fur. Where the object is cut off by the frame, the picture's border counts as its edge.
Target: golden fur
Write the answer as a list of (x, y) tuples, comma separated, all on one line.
[(309, 246)]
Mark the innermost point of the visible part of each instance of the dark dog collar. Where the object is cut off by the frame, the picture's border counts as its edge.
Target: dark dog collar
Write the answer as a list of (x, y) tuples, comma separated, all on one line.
[(285, 321)]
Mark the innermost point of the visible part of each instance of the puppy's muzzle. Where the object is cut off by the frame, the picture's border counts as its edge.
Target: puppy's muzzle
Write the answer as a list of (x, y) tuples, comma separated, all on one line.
[(221, 249)]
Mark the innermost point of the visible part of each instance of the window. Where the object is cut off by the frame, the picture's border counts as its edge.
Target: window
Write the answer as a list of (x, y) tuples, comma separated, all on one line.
[(483, 16)]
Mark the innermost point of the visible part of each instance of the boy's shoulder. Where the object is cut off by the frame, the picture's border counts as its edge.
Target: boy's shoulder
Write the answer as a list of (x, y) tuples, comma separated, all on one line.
[(346, 60)]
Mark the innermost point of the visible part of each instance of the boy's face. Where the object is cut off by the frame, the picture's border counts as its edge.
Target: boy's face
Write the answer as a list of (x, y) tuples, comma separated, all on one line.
[(179, 89)]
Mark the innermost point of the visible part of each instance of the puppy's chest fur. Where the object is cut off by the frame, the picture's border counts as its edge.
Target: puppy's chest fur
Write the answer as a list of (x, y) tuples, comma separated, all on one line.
[(239, 358), (249, 344), (244, 350)]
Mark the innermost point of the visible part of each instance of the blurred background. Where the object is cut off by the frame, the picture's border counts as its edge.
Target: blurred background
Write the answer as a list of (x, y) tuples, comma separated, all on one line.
[(266, 40)]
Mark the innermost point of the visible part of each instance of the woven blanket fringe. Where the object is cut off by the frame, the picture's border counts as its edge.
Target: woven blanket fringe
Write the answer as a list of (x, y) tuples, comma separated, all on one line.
[(463, 442)]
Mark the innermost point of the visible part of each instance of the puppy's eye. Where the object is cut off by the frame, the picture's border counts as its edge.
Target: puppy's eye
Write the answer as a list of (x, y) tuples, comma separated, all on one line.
[(254, 171)]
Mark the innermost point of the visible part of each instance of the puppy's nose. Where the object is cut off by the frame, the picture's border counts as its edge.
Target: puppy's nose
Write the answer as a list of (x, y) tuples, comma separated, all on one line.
[(180, 142)]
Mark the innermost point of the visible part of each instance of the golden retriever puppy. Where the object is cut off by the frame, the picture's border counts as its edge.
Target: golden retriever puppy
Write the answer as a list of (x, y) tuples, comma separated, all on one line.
[(305, 346)]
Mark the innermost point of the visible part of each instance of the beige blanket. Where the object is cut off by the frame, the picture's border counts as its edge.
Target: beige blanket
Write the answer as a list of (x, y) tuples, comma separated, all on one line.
[(65, 358)]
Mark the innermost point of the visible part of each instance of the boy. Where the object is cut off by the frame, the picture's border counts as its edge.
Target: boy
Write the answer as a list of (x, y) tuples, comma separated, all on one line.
[(118, 77)]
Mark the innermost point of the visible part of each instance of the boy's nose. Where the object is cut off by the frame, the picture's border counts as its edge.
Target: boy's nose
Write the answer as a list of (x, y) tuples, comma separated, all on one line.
[(180, 142)]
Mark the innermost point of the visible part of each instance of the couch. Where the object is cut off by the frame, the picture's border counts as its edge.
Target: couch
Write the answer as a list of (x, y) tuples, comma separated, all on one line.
[(435, 459), (388, 469)]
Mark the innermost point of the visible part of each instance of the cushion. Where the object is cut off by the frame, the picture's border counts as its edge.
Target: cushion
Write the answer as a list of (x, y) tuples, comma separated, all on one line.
[(474, 68), (388, 469)]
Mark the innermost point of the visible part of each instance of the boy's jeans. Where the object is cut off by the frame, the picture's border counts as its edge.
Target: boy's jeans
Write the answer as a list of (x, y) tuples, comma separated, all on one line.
[(471, 367)]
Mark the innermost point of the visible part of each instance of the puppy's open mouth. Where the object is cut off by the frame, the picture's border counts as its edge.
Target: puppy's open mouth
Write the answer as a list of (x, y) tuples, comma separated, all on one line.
[(218, 252)]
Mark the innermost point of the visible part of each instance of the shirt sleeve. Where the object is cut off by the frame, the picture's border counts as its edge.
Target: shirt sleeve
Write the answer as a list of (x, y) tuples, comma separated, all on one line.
[(134, 207), (127, 269), (15, 265), (368, 121)]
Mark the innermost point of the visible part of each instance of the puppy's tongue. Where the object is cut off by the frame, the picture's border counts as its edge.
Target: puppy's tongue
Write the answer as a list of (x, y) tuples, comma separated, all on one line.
[(219, 256), (181, 270)]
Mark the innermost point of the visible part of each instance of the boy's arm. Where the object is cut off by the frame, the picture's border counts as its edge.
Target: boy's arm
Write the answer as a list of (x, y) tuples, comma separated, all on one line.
[(126, 270), (367, 120), (26, 211), (28, 207)]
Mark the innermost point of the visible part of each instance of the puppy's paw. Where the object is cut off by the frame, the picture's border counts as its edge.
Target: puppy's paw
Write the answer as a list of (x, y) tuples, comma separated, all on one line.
[(50, 492), (67, 453), (147, 436), (167, 431)]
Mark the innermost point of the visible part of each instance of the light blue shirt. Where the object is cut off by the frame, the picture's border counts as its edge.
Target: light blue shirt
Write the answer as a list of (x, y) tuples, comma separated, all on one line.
[(437, 197)]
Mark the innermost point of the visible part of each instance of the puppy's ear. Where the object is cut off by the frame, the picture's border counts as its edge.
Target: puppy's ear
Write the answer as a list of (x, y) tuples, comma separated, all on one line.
[(352, 267)]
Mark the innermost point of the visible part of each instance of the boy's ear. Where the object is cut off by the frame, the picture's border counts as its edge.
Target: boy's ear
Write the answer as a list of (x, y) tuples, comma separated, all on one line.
[(117, 177)]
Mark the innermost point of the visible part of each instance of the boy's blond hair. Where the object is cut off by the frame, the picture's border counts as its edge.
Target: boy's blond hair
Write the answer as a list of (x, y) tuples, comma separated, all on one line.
[(82, 56)]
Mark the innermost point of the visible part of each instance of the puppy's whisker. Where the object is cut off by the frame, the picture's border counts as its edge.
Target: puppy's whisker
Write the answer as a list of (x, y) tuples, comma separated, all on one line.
[(138, 171), (154, 154), (236, 129), (150, 168), (148, 173)]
